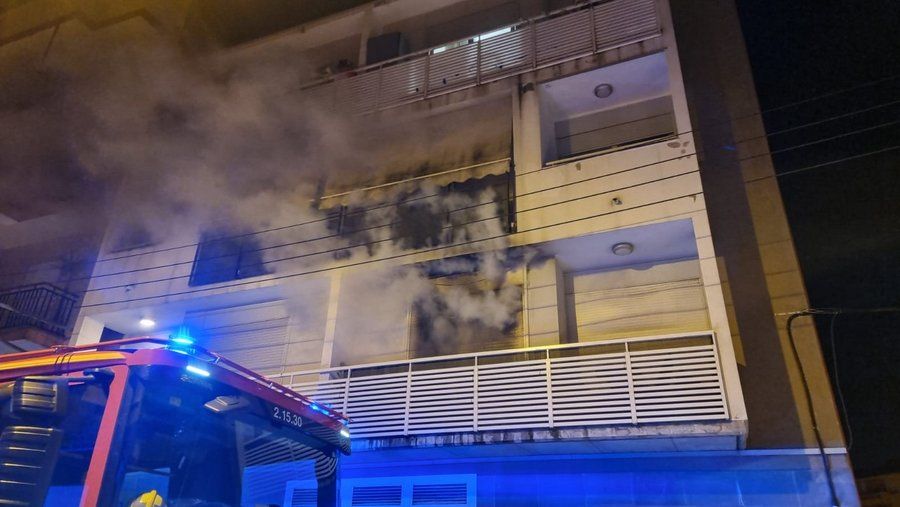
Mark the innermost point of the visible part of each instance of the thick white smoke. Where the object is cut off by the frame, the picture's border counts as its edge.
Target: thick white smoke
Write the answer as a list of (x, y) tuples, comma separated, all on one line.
[(187, 144)]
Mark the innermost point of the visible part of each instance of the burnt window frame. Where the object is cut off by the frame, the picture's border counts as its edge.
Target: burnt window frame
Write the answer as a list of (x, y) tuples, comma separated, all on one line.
[(232, 264)]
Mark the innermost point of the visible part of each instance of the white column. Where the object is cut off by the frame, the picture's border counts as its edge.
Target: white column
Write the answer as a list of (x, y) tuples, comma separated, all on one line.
[(334, 295), (545, 311), (527, 125), (365, 32), (87, 331)]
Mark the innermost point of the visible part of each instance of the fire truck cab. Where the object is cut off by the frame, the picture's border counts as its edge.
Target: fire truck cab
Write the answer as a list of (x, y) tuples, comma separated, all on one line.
[(152, 422)]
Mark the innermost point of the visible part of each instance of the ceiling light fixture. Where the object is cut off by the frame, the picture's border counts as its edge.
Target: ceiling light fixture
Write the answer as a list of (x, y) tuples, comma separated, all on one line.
[(603, 90), (623, 248), (147, 323)]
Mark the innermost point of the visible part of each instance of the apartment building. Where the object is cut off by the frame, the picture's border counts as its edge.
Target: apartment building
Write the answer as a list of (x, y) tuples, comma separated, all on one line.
[(546, 263)]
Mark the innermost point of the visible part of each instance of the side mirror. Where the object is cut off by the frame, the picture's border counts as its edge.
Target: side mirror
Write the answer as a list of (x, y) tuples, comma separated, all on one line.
[(30, 442)]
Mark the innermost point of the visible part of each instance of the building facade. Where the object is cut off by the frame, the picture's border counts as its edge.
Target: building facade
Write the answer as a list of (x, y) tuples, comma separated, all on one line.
[(550, 265)]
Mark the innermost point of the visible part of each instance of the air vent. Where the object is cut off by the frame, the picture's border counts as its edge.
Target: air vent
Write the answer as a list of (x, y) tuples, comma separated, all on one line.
[(415, 491), (302, 493), (303, 498), (377, 496), (440, 494)]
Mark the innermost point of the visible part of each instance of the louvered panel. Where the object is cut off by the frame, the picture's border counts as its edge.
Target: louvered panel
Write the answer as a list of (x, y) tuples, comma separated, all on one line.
[(667, 379), (330, 392), (376, 405), (512, 395), (556, 39), (506, 54), (377, 496), (402, 82), (357, 94), (564, 37), (304, 497), (590, 390), (621, 22), (675, 383), (410, 491), (440, 494), (452, 69), (441, 403)]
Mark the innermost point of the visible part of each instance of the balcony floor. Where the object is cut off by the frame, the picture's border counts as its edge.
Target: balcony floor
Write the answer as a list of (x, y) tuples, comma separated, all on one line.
[(686, 437)]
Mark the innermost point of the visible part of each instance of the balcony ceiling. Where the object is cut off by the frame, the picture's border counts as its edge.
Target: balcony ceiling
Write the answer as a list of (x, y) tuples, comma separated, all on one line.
[(654, 243), (632, 81)]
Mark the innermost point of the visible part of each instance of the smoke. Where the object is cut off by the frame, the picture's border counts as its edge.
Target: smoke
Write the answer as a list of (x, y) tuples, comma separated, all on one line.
[(186, 145)]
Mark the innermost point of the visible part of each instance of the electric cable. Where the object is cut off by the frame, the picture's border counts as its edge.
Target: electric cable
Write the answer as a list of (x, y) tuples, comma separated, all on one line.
[(445, 227), (374, 260), (809, 405), (803, 378), (710, 124), (491, 202)]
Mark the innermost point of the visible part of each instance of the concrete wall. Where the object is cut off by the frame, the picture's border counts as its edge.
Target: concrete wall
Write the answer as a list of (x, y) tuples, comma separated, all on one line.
[(756, 258)]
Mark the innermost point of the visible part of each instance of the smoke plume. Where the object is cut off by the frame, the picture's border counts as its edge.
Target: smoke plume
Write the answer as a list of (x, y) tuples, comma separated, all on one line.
[(186, 144)]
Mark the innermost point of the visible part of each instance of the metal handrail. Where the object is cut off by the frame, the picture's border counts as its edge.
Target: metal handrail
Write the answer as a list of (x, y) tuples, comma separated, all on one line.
[(427, 51), (680, 380), (40, 305), (504, 53), (503, 352), (40, 285)]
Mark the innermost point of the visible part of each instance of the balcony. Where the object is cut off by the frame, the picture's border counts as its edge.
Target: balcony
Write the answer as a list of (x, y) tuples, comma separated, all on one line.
[(34, 316), (552, 39), (626, 382)]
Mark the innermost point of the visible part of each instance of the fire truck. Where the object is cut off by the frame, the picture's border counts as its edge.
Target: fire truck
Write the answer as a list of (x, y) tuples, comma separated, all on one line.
[(155, 422)]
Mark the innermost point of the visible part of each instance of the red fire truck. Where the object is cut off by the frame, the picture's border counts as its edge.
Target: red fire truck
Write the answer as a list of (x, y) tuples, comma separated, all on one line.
[(152, 422)]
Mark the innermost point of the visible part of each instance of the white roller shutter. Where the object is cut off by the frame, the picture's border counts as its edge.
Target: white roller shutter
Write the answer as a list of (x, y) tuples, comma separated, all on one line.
[(661, 299), (255, 336)]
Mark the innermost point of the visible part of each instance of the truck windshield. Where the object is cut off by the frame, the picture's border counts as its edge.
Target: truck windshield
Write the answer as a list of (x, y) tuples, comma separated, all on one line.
[(196, 442)]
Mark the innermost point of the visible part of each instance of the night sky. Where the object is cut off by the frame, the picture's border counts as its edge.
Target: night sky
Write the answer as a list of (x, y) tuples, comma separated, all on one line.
[(845, 217)]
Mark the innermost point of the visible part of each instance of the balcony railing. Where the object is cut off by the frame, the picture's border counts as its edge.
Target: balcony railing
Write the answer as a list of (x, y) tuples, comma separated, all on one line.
[(621, 382), (43, 306), (529, 45)]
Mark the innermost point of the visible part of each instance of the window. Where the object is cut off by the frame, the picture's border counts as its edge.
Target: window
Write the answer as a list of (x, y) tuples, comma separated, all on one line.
[(227, 258), (447, 322), (130, 236), (463, 211)]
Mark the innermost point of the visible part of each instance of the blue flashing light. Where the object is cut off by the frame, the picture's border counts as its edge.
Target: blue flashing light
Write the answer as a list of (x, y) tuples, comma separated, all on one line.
[(182, 337), (182, 340), (197, 371)]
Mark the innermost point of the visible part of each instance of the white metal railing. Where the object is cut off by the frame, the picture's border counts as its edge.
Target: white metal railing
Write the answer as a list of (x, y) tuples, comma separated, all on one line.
[(529, 45), (673, 378)]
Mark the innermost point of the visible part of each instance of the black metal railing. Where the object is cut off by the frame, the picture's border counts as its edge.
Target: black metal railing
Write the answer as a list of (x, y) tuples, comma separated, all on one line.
[(41, 305)]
